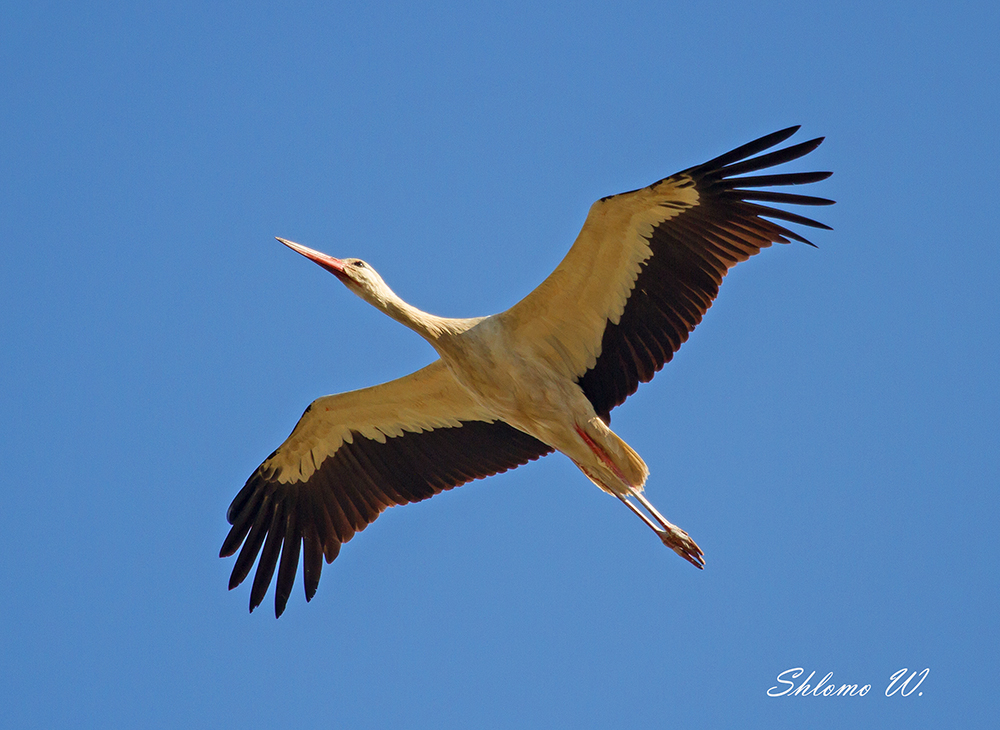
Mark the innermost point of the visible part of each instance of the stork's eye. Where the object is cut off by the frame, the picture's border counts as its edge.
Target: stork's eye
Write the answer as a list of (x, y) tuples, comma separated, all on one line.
[(359, 264)]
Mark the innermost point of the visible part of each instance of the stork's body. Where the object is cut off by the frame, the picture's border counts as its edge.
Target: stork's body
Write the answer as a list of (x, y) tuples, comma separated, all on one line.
[(541, 376), (512, 379)]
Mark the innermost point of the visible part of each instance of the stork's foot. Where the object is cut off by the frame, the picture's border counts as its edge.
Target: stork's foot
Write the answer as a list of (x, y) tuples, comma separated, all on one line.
[(672, 536), (681, 543)]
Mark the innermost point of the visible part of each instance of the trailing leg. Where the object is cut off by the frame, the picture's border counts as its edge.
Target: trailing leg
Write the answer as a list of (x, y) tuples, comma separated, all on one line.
[(610, 475), (672, 536)]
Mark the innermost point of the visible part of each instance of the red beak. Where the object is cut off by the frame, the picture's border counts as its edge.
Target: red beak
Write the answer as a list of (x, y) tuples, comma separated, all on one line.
[(334, 266)]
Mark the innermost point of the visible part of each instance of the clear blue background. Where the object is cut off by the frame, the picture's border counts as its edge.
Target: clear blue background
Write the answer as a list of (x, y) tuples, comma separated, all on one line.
[(828, 435)]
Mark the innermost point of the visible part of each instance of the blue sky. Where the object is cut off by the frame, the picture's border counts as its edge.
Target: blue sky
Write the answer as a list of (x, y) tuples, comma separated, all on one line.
[(824, 435)]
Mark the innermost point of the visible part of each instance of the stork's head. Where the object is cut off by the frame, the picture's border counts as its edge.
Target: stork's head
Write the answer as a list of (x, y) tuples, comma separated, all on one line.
[(357, 276)]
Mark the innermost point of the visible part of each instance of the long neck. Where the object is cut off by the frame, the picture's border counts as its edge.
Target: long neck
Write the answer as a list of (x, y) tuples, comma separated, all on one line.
[(429, 326)]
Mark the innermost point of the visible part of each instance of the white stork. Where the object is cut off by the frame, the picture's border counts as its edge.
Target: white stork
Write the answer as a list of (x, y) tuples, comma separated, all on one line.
[(542, 376)]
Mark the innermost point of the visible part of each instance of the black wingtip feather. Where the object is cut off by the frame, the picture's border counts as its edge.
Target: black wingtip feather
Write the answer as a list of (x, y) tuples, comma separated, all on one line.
[(289, 563), (772, 159), (765, 211), (234, 539), (251, 547), (268, 558), (312, 563), (750, 148), (240, 500), (765, 181), (769, 196)]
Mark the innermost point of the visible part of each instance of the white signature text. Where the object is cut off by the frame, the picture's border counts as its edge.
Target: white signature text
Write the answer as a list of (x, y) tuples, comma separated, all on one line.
[(899, 683)]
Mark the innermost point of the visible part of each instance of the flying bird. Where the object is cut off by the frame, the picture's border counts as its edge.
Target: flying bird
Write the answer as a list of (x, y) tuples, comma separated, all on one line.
[(542, 376)]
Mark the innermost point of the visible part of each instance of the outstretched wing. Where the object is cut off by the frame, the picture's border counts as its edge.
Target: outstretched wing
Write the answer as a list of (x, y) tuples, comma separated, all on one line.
[(648, 264), (350, 457)]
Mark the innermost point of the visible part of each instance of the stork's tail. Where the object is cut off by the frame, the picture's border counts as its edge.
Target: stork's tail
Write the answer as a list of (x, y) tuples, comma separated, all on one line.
[(622, 471), (636, 472)]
